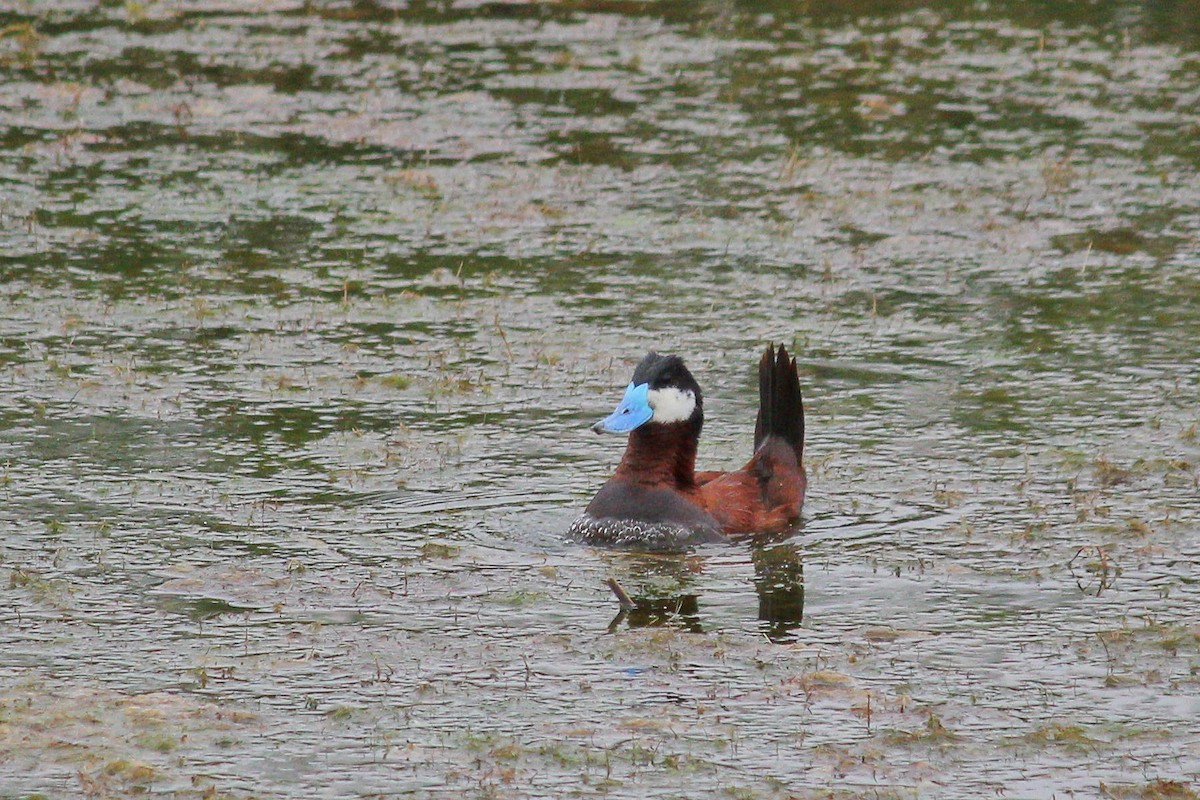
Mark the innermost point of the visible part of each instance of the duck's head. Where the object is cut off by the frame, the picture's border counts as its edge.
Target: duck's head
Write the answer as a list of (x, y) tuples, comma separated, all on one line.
[(662, 391)]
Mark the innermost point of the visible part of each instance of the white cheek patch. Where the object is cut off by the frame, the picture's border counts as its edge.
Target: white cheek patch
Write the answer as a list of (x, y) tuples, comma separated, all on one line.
[(671, 405)]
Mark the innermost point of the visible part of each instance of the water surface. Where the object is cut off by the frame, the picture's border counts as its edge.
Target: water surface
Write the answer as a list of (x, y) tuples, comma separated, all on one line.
[(307, 308)]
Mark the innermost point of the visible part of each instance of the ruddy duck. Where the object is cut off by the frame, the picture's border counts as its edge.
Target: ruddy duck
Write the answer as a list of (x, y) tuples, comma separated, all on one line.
[(657, 500)]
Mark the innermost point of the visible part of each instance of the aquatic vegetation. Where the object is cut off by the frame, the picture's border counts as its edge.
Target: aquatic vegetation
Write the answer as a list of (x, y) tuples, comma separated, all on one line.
[(306, 308)]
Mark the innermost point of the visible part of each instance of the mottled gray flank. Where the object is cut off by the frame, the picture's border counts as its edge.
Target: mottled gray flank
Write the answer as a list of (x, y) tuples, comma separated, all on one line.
[(637, 535)]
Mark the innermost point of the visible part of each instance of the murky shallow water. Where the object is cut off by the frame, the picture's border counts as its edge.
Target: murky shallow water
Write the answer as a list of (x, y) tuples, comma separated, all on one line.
[(306, 312)]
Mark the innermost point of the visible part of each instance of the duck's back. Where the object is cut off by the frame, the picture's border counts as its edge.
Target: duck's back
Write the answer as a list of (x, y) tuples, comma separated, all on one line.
[(766, 495)]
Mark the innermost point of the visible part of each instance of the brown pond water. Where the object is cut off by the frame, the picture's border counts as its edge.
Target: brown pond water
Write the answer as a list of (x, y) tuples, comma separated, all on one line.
[(305, 309)]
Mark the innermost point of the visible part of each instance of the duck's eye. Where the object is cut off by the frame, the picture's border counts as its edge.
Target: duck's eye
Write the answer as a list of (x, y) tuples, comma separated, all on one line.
[(625, 411)]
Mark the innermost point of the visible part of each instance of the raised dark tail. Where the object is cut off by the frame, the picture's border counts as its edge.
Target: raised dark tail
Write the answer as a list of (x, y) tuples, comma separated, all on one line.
[(780, 407)]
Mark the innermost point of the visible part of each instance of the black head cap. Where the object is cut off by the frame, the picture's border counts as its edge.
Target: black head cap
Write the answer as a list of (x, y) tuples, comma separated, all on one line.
[(666, 371)]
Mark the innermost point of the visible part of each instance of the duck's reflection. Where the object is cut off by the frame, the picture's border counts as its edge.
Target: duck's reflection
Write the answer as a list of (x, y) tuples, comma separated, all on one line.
[(682, 611), (779, 582), (663, 590)]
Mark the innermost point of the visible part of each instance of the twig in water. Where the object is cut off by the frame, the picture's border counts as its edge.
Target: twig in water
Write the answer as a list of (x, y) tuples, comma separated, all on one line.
[(627, 604)]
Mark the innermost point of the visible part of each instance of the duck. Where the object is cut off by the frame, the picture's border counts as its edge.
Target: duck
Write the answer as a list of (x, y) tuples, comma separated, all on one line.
[(656, 500)]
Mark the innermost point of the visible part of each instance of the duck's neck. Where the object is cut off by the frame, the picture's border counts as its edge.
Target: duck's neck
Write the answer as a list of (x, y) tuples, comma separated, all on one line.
[(662, 455)]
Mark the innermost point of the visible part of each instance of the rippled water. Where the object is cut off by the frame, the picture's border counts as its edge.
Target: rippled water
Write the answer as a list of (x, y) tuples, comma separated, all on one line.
[(307, 308)]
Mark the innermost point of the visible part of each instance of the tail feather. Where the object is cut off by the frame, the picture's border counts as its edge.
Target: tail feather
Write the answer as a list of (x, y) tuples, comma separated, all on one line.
[(780, 406)]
